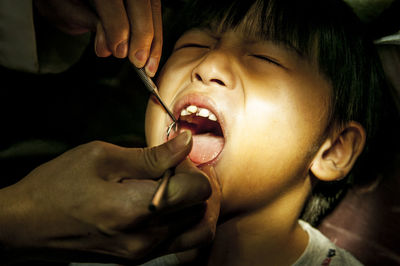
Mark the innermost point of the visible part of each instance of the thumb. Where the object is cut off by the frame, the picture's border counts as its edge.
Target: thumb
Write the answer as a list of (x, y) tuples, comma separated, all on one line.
[(156, 160)]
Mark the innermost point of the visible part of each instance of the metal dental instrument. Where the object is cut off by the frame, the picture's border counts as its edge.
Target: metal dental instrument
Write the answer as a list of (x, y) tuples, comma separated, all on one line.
[(162, 187), (160, 191), (149, 84)]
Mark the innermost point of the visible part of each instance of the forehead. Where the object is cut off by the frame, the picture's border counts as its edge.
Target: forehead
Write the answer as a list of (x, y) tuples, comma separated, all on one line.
[(250, 29), (248, 23), (261, 21)]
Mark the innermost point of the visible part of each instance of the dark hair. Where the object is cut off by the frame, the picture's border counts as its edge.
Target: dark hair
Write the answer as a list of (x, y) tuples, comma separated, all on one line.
[(325, 31)]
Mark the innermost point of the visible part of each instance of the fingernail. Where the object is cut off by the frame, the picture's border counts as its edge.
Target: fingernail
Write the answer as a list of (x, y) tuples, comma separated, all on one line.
[(140, 58), (151, 66), (181, 141), (122, 50)]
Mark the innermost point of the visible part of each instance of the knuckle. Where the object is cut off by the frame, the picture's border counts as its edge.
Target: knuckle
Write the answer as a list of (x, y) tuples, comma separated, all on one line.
[(118, 35), (96, 149), (145, 29), (143, 35), (156, 5)]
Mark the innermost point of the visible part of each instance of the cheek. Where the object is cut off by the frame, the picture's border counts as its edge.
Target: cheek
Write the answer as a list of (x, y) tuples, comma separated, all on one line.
[(255, 179), (174, 76), (268, 152), (157, 120), (153, 124)]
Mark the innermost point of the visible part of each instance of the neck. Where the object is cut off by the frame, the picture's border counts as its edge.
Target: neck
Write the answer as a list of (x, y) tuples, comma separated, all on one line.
[(267, 236)]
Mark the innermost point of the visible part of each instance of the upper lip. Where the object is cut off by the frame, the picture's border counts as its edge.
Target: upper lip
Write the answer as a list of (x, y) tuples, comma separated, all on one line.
[(200, 100)]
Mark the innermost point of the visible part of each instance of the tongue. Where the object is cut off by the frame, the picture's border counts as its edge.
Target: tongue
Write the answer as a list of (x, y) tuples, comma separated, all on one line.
[(206, 147)]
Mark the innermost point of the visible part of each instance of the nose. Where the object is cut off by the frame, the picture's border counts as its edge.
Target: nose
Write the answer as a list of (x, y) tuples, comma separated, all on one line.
[(215, 69)]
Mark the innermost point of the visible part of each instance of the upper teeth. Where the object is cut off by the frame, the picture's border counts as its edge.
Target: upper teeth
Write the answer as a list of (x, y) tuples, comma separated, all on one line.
[(203, 112)]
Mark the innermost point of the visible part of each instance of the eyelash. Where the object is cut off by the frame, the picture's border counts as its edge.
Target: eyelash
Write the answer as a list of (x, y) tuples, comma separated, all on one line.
[(262, 57), (268, 59), (194, 45)]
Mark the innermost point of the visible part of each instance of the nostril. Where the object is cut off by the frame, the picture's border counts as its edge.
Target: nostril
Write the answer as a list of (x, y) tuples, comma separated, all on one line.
[(220, 82), (209, 80), (198, 77)]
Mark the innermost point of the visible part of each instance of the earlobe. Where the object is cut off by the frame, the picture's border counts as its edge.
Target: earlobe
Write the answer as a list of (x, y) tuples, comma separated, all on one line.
[(339, 152)]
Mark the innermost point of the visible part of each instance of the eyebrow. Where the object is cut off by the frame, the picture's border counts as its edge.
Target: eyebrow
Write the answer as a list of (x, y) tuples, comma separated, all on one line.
[(287, 46), (256, 36)]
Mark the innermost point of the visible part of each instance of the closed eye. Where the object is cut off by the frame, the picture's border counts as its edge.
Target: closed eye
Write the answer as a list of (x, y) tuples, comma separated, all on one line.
[(191, 45), (268, 59)]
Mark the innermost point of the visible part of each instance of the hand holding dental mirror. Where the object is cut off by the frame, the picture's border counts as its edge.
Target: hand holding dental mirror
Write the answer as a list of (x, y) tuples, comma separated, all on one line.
[(91, 204), (151, 87)]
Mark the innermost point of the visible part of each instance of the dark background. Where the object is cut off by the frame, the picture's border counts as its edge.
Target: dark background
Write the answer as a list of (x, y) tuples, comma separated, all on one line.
[(44, 115)]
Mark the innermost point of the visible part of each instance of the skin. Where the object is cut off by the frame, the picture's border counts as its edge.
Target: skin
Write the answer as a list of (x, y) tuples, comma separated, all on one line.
[(91, 204), (131, 28), (274, 114)]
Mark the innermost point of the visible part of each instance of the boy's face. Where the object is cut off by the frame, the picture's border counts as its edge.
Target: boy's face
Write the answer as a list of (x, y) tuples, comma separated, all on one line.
[(271, 107)]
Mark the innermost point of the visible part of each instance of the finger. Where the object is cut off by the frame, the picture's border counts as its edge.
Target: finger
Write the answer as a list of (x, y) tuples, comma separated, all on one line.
[(156, 45), (142, 30), (188, 186), (116, 25), (177, 221), (146, 163), (158, 230), (100, 43), (203, 232), (146, 240)]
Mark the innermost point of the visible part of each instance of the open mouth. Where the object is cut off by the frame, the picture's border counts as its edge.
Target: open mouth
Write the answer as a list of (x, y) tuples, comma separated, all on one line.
[(208, 137)]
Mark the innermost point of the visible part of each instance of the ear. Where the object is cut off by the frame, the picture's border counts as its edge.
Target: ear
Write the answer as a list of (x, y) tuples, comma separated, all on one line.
[(339, 152)]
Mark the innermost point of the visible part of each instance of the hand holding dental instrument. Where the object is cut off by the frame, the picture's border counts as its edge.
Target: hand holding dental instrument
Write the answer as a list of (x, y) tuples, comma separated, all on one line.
[(160, 191), (149, 84)]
